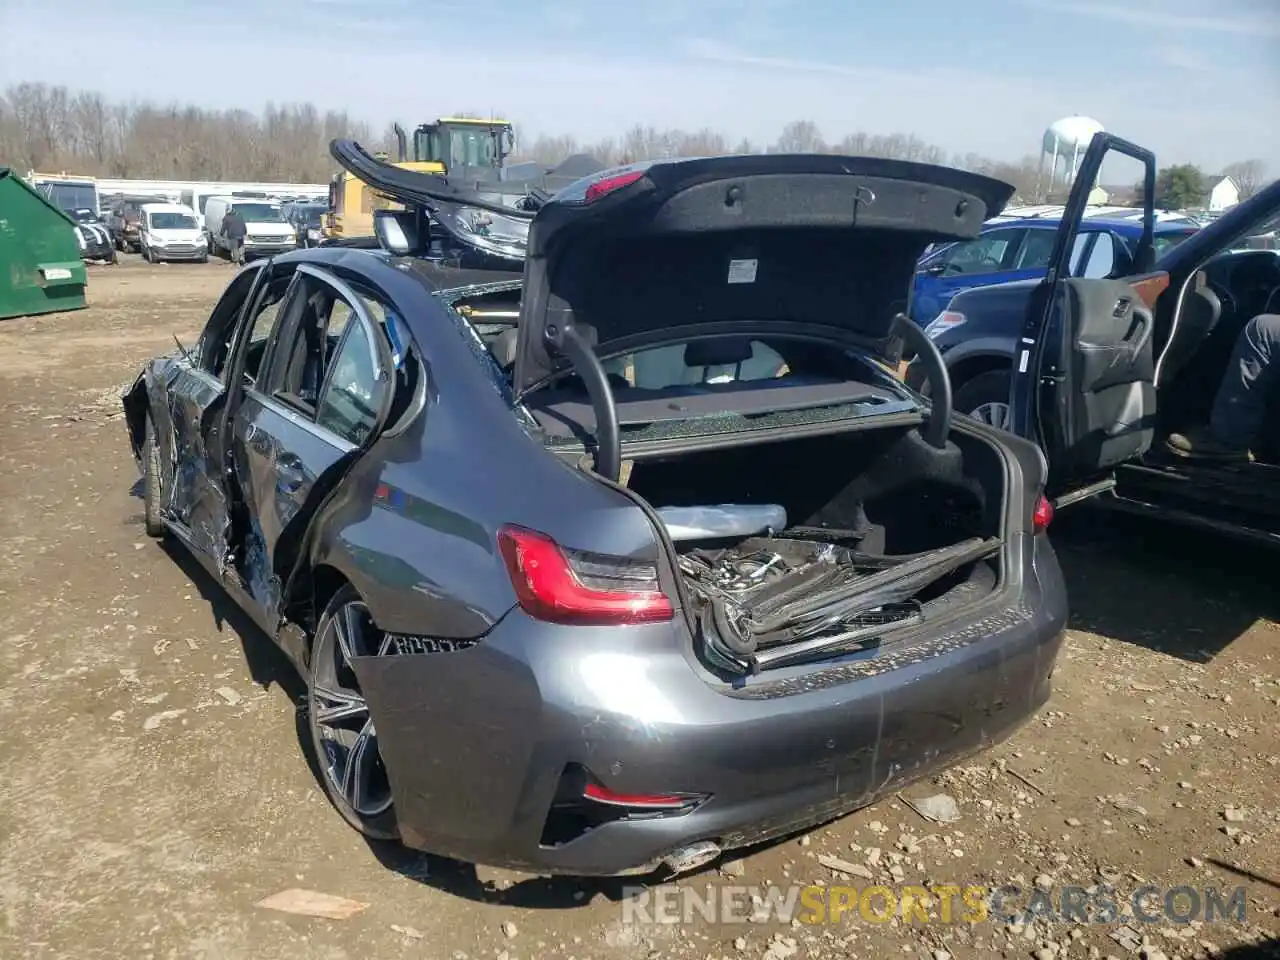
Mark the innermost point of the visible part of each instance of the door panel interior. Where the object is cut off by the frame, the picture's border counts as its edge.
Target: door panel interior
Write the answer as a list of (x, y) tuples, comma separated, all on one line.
[(1083, 384), (1104, 410)]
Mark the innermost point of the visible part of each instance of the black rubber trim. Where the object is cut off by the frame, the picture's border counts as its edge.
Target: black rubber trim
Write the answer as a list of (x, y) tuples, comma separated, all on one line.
[(938, 426)]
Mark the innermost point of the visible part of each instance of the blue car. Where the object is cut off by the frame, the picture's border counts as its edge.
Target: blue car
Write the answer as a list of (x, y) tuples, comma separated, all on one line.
[(1020, 250)]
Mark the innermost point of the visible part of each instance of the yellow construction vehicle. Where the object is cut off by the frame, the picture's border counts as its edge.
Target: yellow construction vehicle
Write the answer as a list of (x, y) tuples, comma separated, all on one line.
[(472, 148)]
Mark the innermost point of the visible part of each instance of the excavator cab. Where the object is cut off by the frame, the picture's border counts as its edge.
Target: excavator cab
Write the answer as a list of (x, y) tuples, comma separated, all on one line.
[(462, 147), (473, 149)]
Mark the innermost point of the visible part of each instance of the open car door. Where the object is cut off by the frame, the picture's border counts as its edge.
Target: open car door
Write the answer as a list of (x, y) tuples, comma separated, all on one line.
[(305, 410), (1083, 383)]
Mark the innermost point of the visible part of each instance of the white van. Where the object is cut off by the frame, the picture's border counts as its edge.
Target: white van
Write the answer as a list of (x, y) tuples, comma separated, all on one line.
[(198, 197), (266, 230), (170, 231)]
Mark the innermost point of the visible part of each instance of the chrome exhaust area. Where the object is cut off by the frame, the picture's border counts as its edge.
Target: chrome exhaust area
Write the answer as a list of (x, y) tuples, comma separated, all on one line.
[(691, 857), (678, 861)]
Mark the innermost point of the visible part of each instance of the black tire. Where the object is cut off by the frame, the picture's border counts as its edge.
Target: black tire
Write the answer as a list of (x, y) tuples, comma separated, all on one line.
[(146, 253), (986, 392), (151, 490), (334, 742)]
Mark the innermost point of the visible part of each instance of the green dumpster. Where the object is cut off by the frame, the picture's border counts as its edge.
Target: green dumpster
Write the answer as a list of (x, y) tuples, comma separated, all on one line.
[(40, 266)]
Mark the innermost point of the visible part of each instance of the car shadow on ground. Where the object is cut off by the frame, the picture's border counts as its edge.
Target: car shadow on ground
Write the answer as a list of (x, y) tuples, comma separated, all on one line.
[(1182, 592), (1269, 950), (536, 893), (267, 663)]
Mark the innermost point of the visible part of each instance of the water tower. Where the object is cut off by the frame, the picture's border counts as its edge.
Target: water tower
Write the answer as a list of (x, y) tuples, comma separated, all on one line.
[(1064, 145)]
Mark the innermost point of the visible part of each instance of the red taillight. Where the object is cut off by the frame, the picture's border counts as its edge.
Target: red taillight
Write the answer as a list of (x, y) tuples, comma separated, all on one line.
[(609, 184), (594, 791), (549, 583), (1043, 515)]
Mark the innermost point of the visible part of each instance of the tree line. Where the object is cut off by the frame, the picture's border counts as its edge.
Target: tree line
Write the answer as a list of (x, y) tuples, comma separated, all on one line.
[(1185, 186), (55, 129)]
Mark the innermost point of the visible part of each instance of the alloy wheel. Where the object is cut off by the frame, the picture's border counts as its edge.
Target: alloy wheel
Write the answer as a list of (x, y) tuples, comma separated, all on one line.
[(344, 733), (994, 413)]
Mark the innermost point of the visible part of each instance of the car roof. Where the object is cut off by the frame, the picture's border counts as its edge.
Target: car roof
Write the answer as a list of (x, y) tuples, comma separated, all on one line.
[(1120, 225), (167, 208)]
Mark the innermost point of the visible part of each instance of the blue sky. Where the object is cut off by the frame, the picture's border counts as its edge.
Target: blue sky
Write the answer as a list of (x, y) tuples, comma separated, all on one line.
[(1195, 81)]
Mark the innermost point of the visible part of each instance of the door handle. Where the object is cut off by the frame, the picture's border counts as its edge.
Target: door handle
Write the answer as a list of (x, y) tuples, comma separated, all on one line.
[(1140, 328)]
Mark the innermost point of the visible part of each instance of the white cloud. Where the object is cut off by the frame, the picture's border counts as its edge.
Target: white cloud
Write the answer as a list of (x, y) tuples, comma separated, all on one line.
[(1169, 15), (1182, 58)]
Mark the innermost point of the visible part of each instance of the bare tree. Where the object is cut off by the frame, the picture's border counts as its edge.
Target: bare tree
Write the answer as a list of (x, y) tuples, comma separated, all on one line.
[(92, 119), (800, 136), (1248, 175), (51, 129)]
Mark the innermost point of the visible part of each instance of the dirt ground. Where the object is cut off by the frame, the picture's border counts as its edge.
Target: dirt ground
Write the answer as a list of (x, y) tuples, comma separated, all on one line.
[(153, 786)]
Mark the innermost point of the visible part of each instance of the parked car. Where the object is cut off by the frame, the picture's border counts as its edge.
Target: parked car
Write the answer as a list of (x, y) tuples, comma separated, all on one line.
[(170, 231), (268, 232), (528, 539), (1020, 250), (93, 236), (125, 222), (306, 219), (1123, 383)]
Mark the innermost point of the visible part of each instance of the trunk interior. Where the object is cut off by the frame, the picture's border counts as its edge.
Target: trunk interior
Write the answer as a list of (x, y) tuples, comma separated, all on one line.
[(814, 548)]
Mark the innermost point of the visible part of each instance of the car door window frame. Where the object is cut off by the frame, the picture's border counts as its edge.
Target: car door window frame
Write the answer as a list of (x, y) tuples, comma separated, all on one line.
[(209, 344), (380, 374), (289, 329), (250, 319)]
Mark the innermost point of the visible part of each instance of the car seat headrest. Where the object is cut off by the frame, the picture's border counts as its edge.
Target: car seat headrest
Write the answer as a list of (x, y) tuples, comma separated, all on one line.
[(718, 352)]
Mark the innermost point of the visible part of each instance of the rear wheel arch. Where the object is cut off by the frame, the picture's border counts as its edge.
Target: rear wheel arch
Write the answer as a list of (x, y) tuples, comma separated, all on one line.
[(969, 368), (326, 581)]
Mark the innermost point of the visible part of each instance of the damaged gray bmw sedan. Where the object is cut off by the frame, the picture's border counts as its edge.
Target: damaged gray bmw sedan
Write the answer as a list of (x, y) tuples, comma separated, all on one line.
[(626, 549)]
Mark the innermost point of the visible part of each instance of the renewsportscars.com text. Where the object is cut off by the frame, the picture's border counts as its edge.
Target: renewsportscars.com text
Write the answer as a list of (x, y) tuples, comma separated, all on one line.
[(939, 903)]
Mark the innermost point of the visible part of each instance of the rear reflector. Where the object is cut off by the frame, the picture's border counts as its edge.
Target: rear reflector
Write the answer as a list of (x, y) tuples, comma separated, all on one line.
[(594, 791), (606, 186), (1043, 515), (564, 586)]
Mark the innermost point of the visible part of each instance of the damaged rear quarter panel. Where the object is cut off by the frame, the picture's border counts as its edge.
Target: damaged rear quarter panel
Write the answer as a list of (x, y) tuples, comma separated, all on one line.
[(414, 525)]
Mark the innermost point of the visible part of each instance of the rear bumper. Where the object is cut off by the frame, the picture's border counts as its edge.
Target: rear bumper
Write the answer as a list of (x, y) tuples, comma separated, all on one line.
[(477, 742)]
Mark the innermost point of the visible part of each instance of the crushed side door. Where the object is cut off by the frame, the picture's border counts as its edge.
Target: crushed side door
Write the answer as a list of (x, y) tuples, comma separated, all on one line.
[(184, 399), (284, 462)]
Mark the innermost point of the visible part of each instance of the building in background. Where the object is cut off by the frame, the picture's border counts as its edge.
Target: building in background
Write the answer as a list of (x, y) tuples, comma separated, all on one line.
[(1221, 192)]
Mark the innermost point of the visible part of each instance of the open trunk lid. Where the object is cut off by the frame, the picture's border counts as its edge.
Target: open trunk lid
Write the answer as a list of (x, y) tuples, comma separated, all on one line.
[(817, 244)]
